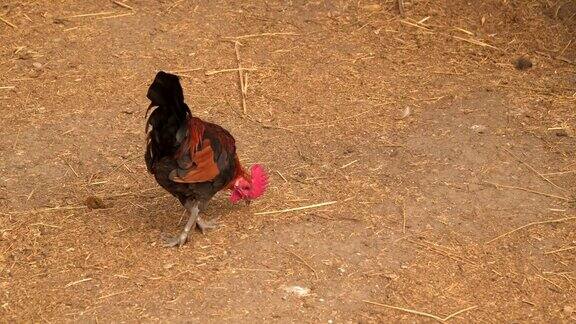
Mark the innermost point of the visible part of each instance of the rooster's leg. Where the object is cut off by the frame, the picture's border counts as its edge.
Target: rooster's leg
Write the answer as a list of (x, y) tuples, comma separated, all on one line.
[(192, 207), (203, 224)]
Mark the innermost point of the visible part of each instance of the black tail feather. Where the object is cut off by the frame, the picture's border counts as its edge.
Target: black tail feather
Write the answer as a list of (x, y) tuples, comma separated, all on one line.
[(166, 119), (166, 92)]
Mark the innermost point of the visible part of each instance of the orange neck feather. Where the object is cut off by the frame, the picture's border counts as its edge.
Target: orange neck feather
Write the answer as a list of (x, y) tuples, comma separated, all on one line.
[(238, 172)]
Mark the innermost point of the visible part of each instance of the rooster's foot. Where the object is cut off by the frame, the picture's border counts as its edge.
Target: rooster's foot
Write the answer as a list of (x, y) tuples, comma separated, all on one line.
[(192, 207), (176, 240)]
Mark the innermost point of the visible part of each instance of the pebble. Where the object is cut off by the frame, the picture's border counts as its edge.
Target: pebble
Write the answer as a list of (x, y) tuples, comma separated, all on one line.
[(298, 291), (406, 112), (480, 129)]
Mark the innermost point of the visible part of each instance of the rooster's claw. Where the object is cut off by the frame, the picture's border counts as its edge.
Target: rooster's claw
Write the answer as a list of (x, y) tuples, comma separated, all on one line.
[(203, 225), (177, 240)]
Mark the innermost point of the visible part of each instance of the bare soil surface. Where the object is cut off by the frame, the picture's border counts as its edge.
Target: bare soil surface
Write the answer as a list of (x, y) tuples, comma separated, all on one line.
[(440, 179)]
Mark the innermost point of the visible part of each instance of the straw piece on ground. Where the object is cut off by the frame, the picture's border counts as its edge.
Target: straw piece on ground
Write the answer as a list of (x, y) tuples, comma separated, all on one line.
[(114, 294), (475, 42), (47, 225), (415, 312), (241, 77), (534, 170), (254, 269), (281, 176), (41, 210), (415, 25), (531, 224), (117, 16), (464, 31), (497, 185), (184, 70), (549, 281), (7, 87), (77, 282), (212, 72), (561, 250), (8, 23), (123, 5), (401, 8), (174, 5), (264, 125), (565, 47), (435, 248), (403, 219), (296, 208), (302, 261), (348, 164), (559, 172), (74, 171), (262, 35), (102, 13)]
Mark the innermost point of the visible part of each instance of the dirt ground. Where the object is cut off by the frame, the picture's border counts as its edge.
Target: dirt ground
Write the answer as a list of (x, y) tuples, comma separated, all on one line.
[(445, 176)]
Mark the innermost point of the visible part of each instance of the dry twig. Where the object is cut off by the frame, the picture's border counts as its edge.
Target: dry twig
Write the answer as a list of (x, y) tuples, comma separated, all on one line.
[(348, 164), (533, 170), (296, 208), (302, 261), (549, 281), (417, 25), (436, 248), (117, 16), (528, 190), (531, 224), (8, 23), (241, 76), (415, 312), (41, 210), (77, 282), (262, 35), (475, 42), (114, 294), (561, 250), (281, 176), (102, 13), (47, 225), (212, 72), (559, 172), (401, 8), (184, 70), (403, 219), (122, 4)]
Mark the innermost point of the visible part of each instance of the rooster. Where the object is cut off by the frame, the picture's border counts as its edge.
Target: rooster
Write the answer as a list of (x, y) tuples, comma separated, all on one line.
[(193, 159)]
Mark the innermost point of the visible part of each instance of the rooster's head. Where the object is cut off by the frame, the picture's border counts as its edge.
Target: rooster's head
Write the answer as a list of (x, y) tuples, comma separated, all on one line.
[(250, 187)]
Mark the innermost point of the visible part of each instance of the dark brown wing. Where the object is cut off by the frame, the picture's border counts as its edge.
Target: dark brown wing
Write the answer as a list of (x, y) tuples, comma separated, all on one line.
[(207, 155)]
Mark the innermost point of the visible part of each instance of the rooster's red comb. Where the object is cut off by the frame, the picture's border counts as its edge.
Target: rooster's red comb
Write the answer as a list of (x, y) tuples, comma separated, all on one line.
[(259, 181)]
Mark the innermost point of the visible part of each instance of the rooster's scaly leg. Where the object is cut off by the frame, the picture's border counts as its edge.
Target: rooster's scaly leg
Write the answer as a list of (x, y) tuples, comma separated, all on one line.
[(192, 207), (203, 224)]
